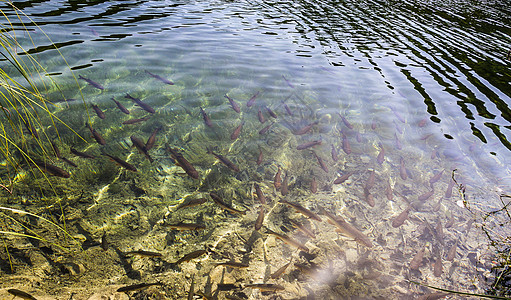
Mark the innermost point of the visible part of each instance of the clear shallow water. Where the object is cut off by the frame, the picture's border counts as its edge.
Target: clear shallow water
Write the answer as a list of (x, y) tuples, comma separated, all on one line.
[(385, 67)]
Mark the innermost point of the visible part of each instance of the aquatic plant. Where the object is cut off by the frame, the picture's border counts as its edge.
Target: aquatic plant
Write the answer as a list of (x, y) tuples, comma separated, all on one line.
[(26, 115)]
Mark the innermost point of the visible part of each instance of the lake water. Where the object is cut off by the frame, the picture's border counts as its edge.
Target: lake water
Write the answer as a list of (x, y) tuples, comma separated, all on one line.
[(402, 95)]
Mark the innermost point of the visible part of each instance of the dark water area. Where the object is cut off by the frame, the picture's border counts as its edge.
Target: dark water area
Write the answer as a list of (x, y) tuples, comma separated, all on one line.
[(410, 98)]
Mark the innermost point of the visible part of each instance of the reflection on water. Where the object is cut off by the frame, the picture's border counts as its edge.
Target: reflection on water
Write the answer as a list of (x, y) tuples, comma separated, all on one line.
[(261, 128)]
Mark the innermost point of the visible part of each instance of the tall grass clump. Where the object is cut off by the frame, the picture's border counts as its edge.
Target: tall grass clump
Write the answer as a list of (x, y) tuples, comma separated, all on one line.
[(27, 127)]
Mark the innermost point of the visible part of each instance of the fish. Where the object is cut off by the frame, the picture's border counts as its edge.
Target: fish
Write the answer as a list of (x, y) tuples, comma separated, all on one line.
[(397, 142), (266, 287), (99, 139), (233, 103), (304, 211), (399, 116), (422, 122), (233, 264), (141, 147), (259, 193), (265, 129), (402, 169), (401, 218), (381, 156), (439, 230), (436, 177), (345, 121), (335, 154), (251, 101), (30, 128), (121, 107), (314, 185), (98, 111), (185, 226), (191, 256), (345, 176), (288, 83), (260, 219), (373, 125), (311, 271), (450, 222), (289, 241), (144, 253), (206, 118), (435, 154), (358, 137), (51, 169), (308, 145), (270, 112), (417, 259), (260, 116), (191, 202), (166, 81), (388, 191), (426, 196), (280, 271), (288, 110), (452, 251), (399, 129), (303, 229), (346, 147), (348, 229), (67, 161), (305, 129), (21, 294), (321, 162), (121, 162), (277, 181), (448, 192), (192, 286), (284, 190), (468, 225), (223, 205), (104, 242), (369, 197), (426, 137), (236, 133), (134, 121), (437, 267), (152, 139), (93, 31), (226, 161), (81, 154), (183, 163), (433, 296), (259, 157), (225, 287), (94, 84), (141, 104), (55, 149), (136, 287), (371, 180)]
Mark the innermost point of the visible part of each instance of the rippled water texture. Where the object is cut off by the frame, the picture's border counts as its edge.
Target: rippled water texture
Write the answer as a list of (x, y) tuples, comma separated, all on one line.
[(404, 96)]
